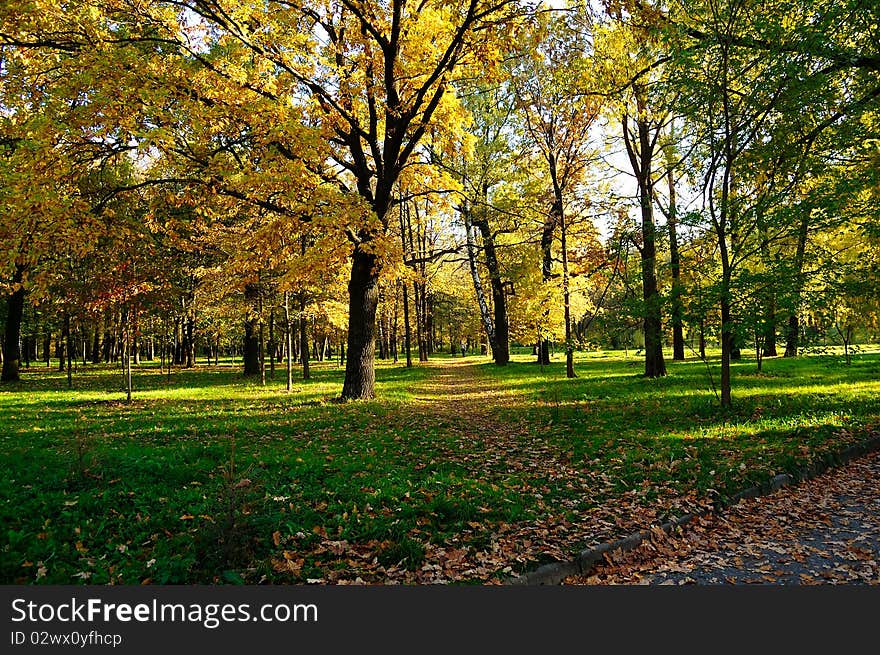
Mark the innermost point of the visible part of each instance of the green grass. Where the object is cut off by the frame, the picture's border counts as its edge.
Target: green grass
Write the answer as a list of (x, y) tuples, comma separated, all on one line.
[(207, 477)]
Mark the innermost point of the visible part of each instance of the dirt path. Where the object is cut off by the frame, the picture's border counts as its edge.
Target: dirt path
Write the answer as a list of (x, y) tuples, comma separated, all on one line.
[(823, 531), (473, 410), (826, 530)]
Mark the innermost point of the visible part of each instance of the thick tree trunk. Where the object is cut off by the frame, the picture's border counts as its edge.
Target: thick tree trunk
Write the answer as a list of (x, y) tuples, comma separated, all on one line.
[(12, 334), (360, 375)]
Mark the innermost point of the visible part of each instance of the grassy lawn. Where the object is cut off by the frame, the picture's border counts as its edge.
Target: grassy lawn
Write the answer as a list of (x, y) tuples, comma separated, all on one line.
[(461, 471)]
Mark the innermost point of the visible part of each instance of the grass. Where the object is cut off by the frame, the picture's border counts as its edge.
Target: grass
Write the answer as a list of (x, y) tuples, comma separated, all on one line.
[(460, 471)]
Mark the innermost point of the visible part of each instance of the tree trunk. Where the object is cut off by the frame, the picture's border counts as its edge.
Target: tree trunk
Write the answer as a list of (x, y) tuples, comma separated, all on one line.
[(770, 328), (675, 264), (488, 325), (68, 349), (420, 337), (190, 340), (559, 211), (262, 344), (96, 344), (272, 343), (303, 338), (500, 339), (288, 336), (727, 336), (792, 335), (251, 344), (546, 274), (702, 339), (12, 334), (407, 330), (383, 340), (360, 375), (126, 353), (393, 343)]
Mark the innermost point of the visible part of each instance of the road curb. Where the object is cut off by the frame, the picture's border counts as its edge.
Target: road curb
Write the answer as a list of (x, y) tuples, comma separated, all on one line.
[(584, 562)]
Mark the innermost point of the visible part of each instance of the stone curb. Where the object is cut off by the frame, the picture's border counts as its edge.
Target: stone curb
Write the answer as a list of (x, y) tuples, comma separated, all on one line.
[(582, 564)]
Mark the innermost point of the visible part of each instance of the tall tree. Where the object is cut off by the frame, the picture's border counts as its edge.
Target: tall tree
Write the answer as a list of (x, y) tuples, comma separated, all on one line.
[(552, 84)]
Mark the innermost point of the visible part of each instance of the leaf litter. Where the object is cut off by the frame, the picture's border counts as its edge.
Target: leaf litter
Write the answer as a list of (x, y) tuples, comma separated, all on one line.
[(825, 530)]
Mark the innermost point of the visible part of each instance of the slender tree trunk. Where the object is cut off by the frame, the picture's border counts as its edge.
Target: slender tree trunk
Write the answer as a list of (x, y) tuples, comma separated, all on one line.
[(792, 334), (251, 344), (769, 335), (559, 211), (383, 340), (488, 325), (546, 274), (500, 339), (262, 335), (190, 340), (96, 344), (288, 334), (417, 303), (68, 350), (566, 296), (394, 326), (675, 264), (727, 336), (126, 352), (702, 339), (272, 343), (407, 330), (303, 338)]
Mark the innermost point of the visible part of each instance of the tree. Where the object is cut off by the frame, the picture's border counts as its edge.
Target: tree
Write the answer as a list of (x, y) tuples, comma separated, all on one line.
[(558, 115)]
